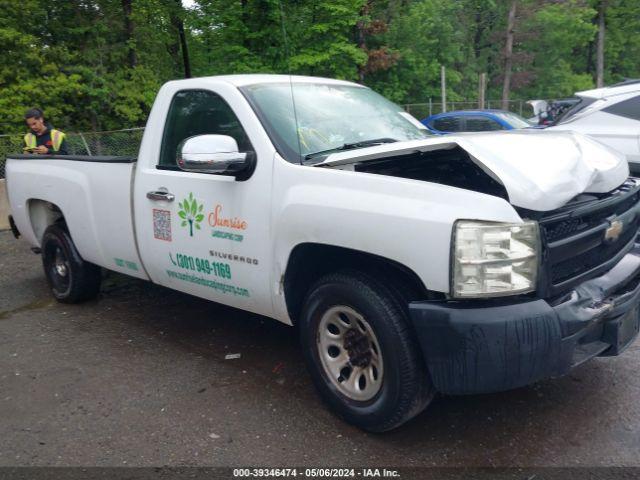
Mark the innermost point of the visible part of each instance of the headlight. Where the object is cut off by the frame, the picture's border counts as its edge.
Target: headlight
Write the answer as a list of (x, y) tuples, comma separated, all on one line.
[(494, 259)]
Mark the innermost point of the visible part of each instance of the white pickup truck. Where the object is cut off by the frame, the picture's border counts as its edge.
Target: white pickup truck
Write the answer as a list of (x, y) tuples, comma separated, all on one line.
[(410, 264)]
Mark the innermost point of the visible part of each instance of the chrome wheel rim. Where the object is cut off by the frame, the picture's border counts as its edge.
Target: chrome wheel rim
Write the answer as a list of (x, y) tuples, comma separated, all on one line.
[(60, 270), (60, 264), (350, 353)]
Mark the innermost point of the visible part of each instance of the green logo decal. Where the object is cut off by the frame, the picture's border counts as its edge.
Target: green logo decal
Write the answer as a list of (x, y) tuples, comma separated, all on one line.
[(126, 263), (191, 213)]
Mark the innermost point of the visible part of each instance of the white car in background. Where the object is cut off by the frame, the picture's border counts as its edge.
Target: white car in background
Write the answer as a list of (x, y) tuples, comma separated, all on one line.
[(611, 115)]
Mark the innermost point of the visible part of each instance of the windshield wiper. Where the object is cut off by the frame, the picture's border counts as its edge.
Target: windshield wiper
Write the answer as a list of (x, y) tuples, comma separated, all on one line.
[(351, 146)]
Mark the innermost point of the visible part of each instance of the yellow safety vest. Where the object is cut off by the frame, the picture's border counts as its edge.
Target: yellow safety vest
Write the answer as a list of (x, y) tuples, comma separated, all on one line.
[(57, 137)]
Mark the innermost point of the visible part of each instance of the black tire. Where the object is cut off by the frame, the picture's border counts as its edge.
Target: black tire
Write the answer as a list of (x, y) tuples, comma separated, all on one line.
[(405, 388), (71, 279)]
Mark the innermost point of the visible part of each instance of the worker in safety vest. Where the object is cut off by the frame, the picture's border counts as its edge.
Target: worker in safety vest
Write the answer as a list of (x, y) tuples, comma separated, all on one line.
[(43, 138)]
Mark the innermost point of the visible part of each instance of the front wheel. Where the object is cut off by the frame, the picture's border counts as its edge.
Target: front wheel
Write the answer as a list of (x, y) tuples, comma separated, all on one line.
[(71, 279), (361, 353)]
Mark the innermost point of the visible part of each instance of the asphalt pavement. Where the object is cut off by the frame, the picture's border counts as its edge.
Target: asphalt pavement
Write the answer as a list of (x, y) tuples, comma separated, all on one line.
[(139, 377)]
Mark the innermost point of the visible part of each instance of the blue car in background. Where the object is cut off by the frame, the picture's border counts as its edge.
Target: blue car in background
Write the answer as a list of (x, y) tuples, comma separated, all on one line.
[(474, 121)]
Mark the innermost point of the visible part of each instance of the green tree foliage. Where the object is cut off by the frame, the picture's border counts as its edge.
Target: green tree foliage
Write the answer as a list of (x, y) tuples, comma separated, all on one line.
[(558, 32), (622, 45), (322, 38), (305, 37), (237, 37), (423, 42), (97, 64)]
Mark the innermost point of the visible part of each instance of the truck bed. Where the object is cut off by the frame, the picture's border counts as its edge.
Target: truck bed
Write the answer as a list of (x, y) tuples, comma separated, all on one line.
[(95, 195)]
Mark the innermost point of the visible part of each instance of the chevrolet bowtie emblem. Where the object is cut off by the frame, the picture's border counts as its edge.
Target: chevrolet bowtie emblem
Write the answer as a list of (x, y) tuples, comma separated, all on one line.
[(612, 233)]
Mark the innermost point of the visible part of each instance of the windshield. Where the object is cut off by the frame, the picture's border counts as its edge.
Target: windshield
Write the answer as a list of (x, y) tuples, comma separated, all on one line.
[(583, 103), (513, 119), (329, 118)]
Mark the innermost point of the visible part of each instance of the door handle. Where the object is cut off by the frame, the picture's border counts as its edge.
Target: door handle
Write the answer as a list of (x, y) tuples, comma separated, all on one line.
[(161, 195)]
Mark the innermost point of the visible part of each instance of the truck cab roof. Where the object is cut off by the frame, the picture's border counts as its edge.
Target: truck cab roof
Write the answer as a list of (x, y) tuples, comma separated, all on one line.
[(628, 86), (259, 78)]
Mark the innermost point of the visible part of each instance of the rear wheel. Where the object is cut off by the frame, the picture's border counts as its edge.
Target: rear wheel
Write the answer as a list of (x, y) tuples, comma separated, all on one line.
[(361, 353), (71, 279)]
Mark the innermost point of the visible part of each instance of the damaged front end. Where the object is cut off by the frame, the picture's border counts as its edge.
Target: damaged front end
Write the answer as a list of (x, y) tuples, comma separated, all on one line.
[(481, 347), (586, 293), (535, 170), (585, 304), (452, 166)]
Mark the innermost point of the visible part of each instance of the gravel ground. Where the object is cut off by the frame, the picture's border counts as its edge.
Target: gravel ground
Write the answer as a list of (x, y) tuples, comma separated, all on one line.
[(139, 378)]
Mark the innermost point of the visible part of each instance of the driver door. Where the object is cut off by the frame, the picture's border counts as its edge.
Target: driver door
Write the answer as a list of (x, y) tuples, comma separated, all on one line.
[(201, 233)]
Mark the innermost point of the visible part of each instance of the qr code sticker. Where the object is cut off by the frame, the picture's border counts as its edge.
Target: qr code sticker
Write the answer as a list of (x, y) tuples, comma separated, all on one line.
[(162, 224)]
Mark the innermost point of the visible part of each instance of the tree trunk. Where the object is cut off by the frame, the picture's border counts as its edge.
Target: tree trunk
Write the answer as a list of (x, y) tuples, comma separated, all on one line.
[(589, 59), (477, 35), (482, 87), (443, 87), (245, 23), (313, 22), (185, 51), (178, 23), (95, 127), (129, 28), (361, 37), (600, 48), (508, 56)]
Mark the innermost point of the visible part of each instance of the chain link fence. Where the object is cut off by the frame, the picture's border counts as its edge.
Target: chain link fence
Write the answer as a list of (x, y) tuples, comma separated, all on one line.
[(127, 142), (114, 142), (424, 110), (9, 144)]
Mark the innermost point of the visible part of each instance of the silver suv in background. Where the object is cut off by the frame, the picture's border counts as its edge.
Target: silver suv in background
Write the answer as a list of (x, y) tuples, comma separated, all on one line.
[(611, 115)]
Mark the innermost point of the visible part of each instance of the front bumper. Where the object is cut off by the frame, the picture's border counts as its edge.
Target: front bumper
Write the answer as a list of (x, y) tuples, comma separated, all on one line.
[(480, 347)]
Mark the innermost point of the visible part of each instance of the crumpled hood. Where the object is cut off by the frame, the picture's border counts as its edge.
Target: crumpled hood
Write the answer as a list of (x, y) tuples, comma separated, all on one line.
[(540, 170)]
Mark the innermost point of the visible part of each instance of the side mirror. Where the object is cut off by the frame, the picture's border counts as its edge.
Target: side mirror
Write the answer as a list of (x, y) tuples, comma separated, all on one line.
[(214, 154)]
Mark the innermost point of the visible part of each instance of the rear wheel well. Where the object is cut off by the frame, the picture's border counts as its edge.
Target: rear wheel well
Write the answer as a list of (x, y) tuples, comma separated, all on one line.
[(310, 261), (42, 214)]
